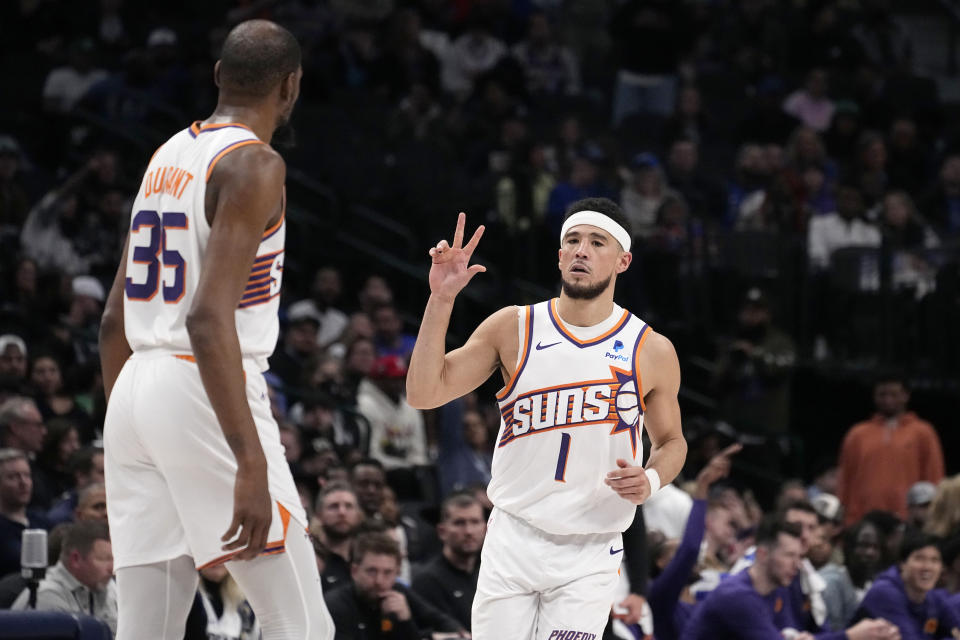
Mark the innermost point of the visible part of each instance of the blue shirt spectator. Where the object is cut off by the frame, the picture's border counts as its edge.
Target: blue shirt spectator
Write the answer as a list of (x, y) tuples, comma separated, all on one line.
[(465, 451)]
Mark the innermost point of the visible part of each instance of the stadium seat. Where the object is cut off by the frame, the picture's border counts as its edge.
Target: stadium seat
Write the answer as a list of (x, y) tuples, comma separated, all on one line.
[(50, 625)]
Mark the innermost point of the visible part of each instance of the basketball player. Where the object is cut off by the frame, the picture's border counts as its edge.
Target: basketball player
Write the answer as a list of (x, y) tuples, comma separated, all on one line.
[(582, 377), (195, 470)]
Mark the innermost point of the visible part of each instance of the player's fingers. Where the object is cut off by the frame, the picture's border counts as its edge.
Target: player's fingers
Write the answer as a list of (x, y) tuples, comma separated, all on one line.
[(258, 540), (736, 447), (241, 542), (442, 246), (232, 531), (474, 240), (476, 268), (458, 234)]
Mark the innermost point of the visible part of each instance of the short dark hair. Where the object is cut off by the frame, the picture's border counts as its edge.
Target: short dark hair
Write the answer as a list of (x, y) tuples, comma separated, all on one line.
[(256, 56), (890, 377), (770, 529), (798, 505), (377, 543), (81, 460), (367, 462), (458, 500), (914, 540), (606, 206), (81, 537)]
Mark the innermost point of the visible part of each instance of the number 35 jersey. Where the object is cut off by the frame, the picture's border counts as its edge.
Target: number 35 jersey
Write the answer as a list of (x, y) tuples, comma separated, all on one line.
[(571, 409), (168, 239)]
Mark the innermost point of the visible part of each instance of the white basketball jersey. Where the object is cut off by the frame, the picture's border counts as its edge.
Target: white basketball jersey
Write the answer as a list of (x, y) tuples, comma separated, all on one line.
[(571, 409), (168, 238)]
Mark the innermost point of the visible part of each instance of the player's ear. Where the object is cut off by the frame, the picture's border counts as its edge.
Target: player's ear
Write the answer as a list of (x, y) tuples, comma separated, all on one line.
[(624, 261), (216, 74), (288, 86)]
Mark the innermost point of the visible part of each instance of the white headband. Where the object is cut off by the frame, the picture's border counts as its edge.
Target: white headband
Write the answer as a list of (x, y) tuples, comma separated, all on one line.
[(597, 219)]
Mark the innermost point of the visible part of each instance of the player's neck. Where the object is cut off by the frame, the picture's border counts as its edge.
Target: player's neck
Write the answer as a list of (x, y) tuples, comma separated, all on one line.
[(762, 583), (585, 313), (260, 120)]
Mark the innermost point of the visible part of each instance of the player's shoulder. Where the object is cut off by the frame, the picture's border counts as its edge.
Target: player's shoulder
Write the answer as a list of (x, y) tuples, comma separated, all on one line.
[(254, 162), (658, 346)]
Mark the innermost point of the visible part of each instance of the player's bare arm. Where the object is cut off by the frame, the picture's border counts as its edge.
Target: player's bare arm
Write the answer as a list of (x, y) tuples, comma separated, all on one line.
[(243, 196), (114, 348), (436, 377), (660, 375)]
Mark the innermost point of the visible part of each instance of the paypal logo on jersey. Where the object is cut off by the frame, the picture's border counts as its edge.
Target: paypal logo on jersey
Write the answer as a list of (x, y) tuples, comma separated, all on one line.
[(616, 355)]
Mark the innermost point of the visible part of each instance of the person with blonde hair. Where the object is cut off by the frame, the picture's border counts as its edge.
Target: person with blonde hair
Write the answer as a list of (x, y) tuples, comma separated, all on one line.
[(943, 518), (229, 615)]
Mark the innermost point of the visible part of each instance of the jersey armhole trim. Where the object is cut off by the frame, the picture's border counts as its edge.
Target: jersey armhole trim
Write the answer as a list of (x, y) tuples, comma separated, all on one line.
[(283, 214), (227, 149), (524, 353), (641, 338)]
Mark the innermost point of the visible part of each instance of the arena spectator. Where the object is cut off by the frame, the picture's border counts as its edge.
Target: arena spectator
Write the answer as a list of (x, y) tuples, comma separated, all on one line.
[(86, 466), (337, 518), (943, 516), (82, 579), (465, 450), (389, 337), (847, 583), (941, 204), (289, 360), (811, 104), (14, 201), (229, 615), (13, 359), (325, 295), (397, 437), (16, 487), (53, 477), (919, 497), (551, 69), (449, 580), (92, 503), (22, 426), (65, 86), (54, 400), (374, 603), (643, 193), (906, 594), (755, 370), (470, 55), (846, 227), (881, 458)]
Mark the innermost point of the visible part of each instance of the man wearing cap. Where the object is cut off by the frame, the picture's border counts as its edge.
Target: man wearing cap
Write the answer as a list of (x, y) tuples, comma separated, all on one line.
[(919, 497), (397, 436), (582, 377), (299, 343), (13, 359)]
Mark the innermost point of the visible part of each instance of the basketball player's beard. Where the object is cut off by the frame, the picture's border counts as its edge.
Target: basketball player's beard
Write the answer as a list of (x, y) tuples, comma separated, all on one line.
[(584, 291), (284, 136)]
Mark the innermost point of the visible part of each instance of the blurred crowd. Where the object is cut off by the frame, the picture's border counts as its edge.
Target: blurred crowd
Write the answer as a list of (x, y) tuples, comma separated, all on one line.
[(793, 185)]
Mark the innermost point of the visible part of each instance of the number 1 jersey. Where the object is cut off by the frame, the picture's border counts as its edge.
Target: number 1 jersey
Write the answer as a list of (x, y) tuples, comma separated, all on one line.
[(168, 239), (571, 409)]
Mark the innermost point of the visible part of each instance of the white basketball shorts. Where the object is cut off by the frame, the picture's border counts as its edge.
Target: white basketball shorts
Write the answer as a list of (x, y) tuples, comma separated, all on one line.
[(169, 471), (539, 586)]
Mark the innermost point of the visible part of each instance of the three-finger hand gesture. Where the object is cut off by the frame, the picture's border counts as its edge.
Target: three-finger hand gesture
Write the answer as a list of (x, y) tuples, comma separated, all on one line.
[(451, 269)]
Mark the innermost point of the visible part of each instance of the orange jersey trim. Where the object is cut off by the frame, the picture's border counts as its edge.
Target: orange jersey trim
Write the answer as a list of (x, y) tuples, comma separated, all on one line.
[(225, 151), (272, 548), (527, 339), (636, 366), (558, 322)]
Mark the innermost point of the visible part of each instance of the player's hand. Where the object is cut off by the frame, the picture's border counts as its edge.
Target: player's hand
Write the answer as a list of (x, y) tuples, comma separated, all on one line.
[(630, 609), (252, 512), (870, 629), (451, 269), (395, 603), (629, 481), (718, 467)]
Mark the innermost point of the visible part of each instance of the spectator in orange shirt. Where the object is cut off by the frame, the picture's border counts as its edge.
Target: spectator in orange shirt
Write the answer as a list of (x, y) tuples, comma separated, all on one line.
[(881, 458)]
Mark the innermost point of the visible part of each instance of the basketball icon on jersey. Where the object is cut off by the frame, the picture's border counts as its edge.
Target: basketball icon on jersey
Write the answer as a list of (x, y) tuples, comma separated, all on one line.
[(627, 404)]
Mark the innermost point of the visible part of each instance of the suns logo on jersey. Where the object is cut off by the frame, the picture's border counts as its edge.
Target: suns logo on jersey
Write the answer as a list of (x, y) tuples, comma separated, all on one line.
[(611, 401)]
